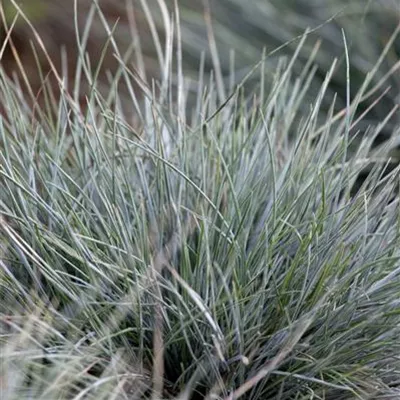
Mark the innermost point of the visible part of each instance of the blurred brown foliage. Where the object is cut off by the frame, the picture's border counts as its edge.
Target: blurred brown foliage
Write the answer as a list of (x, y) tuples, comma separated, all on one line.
[(38, 63)]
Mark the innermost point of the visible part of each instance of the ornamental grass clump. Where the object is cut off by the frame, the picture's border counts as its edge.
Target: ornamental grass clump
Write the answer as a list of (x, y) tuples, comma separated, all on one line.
[(214, 249)]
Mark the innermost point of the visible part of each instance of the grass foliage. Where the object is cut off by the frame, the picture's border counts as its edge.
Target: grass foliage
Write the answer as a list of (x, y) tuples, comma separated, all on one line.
[(220, 249)]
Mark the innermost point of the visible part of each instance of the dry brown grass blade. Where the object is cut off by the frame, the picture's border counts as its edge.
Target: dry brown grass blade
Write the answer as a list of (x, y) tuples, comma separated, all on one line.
[(275, 362), (162, 260)]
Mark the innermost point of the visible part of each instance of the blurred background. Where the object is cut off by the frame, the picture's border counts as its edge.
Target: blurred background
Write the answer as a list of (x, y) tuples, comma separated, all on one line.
[(240, 31)]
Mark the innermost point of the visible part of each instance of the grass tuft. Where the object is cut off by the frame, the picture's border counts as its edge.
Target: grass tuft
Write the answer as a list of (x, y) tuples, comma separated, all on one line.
[(219, 243)]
